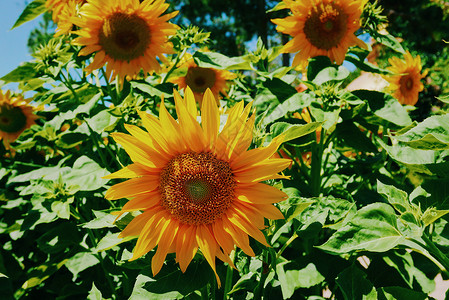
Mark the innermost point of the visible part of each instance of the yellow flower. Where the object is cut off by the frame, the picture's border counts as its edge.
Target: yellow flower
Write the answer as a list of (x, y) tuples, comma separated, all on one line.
[(406, 81), (197, 187), (125, 35), (65, 15), (200, 79), (321, 27), (15, 116)]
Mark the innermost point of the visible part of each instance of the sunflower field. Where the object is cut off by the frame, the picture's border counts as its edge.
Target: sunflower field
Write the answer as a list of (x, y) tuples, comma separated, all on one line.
[(293, 149)]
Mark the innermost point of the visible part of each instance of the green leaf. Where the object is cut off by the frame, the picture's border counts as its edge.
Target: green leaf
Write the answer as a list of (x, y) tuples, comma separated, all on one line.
[(86, 174), (354, 285), (102, 220), (431, 134), (94, 293), (385, 107), (422, 161), (373, 228), (292, 280), (397, 292), (291, 131), (395, 196), (219, 61), (316, 64), (389, 41), (59, 238), (110, 240), (158, 90), (330, 74), (328, 117), (80, 262), (365, 66), (24, 72), (103, 121), (351, 135), (432, 214), (172, 284), (294, 103), (33, 10), (444, 98), (61, 208)]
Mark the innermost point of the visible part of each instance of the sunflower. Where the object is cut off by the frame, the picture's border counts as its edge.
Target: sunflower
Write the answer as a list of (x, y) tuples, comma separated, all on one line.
[(321, 27), (197, 187), (406, 81), (15, 116), (125, 35), (200, 79), (65, 16)]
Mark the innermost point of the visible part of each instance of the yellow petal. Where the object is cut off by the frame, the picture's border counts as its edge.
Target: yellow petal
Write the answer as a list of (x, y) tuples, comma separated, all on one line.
[(265, 170), (208, 246), (132, 187), (131, 171), (186, 246), (210, 118), (163, 246), (259, 193)]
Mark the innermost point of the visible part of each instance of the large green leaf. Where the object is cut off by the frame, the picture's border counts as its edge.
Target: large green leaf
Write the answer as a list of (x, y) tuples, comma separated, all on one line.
[(24, 72), (219, 61), (294, 103), (330, 74), (292, 280), (172, 284), (397, 292), (395, 196), (293, 131), (80, 262), (353, 137), (431, 134), (33, 10), (374, 228), (354, 285), (423, 161), (86, 174), (385, 107)]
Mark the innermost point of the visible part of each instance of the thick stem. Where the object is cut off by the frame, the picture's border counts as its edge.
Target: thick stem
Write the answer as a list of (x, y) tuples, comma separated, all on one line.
[(229, 273)]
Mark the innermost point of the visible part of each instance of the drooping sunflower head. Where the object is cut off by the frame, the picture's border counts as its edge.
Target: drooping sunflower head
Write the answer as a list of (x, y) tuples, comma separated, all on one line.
[(321, 27), (405, 83), (197, 187), (127, 36), (16, 115), (200, 79)]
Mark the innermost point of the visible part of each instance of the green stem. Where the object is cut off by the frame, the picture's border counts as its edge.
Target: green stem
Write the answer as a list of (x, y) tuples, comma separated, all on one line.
[(317, 157), (178, 59), (204, 293), (68, 84), (229, 273), (289, 241), (108, 86), (263, 277), (441, 257)]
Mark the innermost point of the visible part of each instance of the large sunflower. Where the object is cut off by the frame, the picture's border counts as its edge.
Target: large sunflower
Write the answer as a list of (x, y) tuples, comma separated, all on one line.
[(64, 15), (125, 35), (15, 116), (406, 81), (200, 79), (321, 27), (197, 187)]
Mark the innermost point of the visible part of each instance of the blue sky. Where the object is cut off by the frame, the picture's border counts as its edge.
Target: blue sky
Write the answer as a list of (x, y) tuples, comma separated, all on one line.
[(13, 43)]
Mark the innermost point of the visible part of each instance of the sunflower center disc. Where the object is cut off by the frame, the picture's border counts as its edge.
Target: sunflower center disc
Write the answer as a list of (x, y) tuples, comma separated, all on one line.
[(325, 26), (199, 79), (197, 188), (12, 119), (406, 84), (124, 36)]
